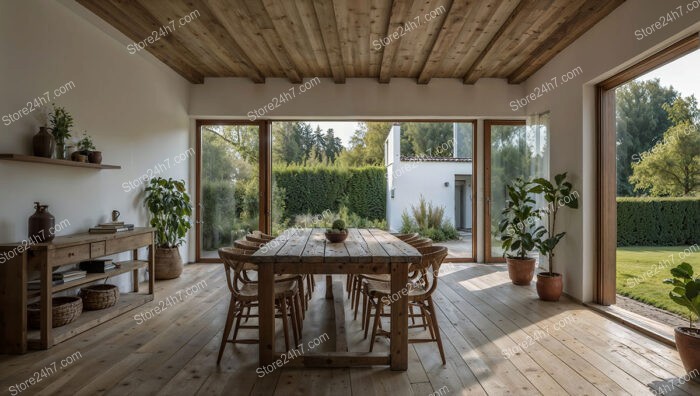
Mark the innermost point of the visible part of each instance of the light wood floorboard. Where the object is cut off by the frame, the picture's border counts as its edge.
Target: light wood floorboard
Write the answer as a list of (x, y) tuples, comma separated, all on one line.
[(481, 314)]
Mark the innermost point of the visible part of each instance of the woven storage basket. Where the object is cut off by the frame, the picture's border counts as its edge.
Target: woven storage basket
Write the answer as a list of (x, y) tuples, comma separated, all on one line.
[(65, 310), (99, 296)]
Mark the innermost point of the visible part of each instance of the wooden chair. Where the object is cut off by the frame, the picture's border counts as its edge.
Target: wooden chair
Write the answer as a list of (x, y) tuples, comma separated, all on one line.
[(403, 237), (421, 242), (419, 295), (257, 239), (262, 235), (244, 295), (253, 247)]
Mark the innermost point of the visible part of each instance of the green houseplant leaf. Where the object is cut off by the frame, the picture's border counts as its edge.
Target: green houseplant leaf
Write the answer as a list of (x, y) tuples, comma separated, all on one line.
[(169, 207), (686, 290)]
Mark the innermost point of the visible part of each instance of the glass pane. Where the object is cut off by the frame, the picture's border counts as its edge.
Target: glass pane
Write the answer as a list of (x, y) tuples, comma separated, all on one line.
[(229, 185), (429, 182), (516, 151)]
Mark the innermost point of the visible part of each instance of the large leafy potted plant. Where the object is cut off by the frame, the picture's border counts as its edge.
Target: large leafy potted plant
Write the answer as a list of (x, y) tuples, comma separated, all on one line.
[(519, 234), (169, 206), (557, 195), (686, 292)]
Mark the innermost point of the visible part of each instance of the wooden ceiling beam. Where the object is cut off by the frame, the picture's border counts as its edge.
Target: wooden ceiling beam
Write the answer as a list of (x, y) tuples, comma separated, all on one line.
[(449, 31), (168, 50), (474, 72), (325, 15), (590, 13), (397, 17)]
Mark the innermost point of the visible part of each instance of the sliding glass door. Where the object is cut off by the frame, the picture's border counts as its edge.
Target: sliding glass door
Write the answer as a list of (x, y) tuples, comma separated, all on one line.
[(228, 184), (513, 149)]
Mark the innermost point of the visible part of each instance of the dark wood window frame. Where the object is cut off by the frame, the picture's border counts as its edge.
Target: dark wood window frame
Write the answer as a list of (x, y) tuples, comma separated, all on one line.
[(606, 220), (264, 175), (265, 169)]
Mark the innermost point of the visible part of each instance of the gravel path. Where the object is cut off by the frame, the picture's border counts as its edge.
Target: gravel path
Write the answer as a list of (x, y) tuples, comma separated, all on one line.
[(651, 312)]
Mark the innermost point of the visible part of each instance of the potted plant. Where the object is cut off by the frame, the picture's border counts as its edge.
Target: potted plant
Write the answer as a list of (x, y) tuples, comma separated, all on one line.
[(518, 233), (686, 292), (61, 123), (87, 148), (338, 232), (557, 195), (170, 208), (84, 147)]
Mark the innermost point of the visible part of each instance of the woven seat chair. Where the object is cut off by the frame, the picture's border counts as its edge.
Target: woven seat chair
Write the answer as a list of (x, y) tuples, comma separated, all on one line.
[(244, 295), (421, 242), (419, 295)]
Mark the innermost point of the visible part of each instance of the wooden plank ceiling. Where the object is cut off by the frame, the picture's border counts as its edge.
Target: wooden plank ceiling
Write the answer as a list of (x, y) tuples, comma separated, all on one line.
[(339, 39)]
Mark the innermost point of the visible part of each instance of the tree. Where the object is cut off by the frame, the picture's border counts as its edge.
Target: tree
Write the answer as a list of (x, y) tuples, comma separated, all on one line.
[(286, 143), (433, 139), (366, 145), (641, 121), (672, 166), (683, 110), (333, 146)]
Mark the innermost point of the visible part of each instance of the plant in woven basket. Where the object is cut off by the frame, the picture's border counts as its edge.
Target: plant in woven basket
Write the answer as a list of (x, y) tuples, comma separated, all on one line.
[(170, 209)]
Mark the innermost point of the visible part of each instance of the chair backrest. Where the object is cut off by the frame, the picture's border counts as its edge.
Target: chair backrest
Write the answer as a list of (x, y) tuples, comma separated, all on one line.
[(404, 237), (421, 242), (247, 245), (235, 261), (430, 265), (262, 235), (253, 238)]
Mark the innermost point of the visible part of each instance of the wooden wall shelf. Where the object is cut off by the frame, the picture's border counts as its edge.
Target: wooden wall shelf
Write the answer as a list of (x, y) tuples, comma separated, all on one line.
[(51, 161)]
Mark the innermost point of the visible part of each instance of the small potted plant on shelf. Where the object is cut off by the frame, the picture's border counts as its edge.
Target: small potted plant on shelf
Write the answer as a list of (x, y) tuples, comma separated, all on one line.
[(519, 236), (686, 292), (338, 232), (169, 206), (84, 147), (557, 195), (61, 123)]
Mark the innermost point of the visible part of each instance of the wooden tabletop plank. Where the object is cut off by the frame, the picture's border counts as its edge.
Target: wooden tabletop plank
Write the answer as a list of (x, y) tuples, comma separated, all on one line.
[(293, 249), (357, 247), (378, 254), (399, 251), (315, 246), (268, 253), (336, 253)]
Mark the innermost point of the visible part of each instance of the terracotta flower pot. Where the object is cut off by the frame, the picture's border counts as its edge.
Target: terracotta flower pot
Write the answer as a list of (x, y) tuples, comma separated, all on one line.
[(95, 157), (549, 286), (336, 237), (688, 345), (168, 263), (521, 271)]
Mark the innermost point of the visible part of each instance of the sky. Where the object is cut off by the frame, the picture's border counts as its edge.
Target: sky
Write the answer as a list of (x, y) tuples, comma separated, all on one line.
[(682, 74)]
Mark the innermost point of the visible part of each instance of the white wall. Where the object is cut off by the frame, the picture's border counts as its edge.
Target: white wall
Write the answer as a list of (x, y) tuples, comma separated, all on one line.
[(411, 179), (610, 47), (134, 107)]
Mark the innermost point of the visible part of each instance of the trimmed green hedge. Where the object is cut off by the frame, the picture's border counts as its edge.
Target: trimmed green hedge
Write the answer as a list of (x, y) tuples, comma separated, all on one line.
[(658, 221), (315, 189)]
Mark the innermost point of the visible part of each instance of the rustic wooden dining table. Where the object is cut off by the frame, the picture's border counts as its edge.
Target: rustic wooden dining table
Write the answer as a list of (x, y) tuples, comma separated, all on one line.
[(365, 251)]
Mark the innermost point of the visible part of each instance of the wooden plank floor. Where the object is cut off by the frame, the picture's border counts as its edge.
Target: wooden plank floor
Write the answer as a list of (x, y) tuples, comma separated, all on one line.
[(568, 349)]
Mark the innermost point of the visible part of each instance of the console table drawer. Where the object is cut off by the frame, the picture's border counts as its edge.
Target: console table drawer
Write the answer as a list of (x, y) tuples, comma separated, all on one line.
[(98, 249), (70, 255), (122, 244)]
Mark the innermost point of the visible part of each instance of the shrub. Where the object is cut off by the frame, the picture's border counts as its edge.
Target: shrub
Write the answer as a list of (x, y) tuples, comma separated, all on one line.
[(658, 221), (428, 221), (313, 189)]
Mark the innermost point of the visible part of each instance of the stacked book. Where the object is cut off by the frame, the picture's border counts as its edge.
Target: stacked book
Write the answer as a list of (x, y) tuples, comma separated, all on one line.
[(97, 266), (36, 284), (69, 275), (111, 228)]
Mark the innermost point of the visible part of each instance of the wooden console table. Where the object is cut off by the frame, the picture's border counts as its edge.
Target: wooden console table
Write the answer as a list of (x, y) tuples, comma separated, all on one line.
[(22, 259)]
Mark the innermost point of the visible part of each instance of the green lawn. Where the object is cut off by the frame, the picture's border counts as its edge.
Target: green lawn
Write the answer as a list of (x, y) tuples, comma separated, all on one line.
[(642, 269)]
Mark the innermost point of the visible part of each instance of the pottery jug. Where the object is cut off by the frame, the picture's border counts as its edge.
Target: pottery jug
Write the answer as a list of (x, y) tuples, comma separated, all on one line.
[(41, 224), (44, 143)]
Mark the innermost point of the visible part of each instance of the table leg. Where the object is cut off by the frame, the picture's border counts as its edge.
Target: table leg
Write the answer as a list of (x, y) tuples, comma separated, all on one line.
[(399, 317), (329, 287), (135, 273), (266, 312)]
